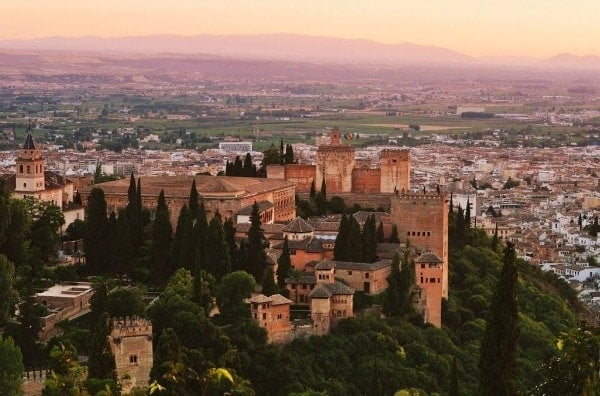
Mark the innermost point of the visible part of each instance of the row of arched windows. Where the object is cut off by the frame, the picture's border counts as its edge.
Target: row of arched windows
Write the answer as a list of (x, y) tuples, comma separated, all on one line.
[(38, 168)]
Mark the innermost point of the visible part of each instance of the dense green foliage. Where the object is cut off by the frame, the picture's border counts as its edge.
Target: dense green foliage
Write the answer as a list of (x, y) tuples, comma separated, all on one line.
[(11, 367)]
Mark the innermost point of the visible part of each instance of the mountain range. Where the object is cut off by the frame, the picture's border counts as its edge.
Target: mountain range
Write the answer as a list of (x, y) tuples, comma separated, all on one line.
[(294, 47)]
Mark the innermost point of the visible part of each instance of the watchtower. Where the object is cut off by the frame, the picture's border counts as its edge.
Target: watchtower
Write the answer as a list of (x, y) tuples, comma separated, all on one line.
[(429, 272), (395, 170), (422, 218), (131, 344), (335, 163)]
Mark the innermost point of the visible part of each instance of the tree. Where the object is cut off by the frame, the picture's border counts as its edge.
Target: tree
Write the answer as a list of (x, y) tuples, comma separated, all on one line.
[(495, 239), (8, 293), (497, 362), (99, 300), (168, 349), (394, 235), (101, 363), (284, 264), (134, 215), (125, 302), (323, 190), (256, 260), (369, 240), (380, 234), (96, 234), (183, 243), (401, 293), (229, 230), (268, 284), (289, 154), (47, 220), (341, 250), (194, 204), (234, 289), (217, 261), (16, 245), (66, 376), (11, 367), (121, 247), (200, 230), (313, 192), (355, 244), (75, 230), (161, 238)]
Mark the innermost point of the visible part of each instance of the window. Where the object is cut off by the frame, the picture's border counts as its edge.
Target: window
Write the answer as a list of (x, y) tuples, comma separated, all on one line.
[(428, 233), (349, 272), (422, 265), (20, 168), (279, 316), (431, 280), (28, 168), (24, 184), (264, 316), (132, 359), (303, 287), (367, 275), (292, 252)]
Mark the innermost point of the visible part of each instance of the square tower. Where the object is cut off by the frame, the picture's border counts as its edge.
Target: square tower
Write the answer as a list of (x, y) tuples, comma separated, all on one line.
[(335, 163), (422, 218), (30, 168), (395, 170)]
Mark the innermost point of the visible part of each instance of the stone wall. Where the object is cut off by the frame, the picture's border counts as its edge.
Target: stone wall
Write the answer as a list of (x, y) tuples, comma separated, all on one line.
[(335, 164), (301, 175), (366, 180), (395, 170)]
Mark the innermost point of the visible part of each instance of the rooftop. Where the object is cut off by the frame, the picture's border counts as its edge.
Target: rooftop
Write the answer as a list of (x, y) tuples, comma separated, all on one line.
[(67, 289)]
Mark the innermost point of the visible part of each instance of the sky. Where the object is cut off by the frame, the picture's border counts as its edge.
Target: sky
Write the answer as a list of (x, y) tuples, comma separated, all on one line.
[(485, 27)]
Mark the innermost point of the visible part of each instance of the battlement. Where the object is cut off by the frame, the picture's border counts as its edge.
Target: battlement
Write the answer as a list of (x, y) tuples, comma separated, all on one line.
[(131, 327), (415, 196), (402, 154), (332, 150)]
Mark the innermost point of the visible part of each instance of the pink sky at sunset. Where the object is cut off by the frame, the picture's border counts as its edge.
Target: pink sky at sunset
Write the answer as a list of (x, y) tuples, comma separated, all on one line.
[(508, 27)]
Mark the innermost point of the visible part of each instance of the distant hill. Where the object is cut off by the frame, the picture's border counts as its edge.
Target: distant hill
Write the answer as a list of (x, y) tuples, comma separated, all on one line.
[(266, 46)]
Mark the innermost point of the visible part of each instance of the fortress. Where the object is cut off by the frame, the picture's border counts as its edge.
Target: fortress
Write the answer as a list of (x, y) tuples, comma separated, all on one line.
[(336, 164)]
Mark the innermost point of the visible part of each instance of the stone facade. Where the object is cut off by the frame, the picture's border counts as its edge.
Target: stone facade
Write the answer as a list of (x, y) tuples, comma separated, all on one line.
[(422, 219), (131, 344), (429, 272), (273, 314), (336, 164), (225, 194)]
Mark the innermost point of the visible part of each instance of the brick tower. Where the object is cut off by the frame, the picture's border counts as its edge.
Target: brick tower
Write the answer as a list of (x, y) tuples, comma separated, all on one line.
[(335, 163), (429, 272), (422, 218), (395, 170), (131, 343), (30, 168)]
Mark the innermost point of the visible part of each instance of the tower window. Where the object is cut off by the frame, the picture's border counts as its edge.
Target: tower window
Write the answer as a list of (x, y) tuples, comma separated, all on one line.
[(24, 185), (28, 168), (20, 168), (132, 359)]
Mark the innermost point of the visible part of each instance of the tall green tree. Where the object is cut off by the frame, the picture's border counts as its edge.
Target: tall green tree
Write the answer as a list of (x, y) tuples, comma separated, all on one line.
[(394, 235), (194, 203), (134, 216), (355, 243), (401, 293), (168, 349), (380, 233), (121, 245), (284, 264), (161, 238), (341, 250), (217, 259), (101, 363), (369, 239), (229, 230), (99, 300), (498, 357), (183, 243), (200, 230), (17, 243), (256, 259), (8, 292), (323, 189), (11, 367), (313, 191), (289, 154), (45, 229), (96, 234), (269, 287), (234, 289)]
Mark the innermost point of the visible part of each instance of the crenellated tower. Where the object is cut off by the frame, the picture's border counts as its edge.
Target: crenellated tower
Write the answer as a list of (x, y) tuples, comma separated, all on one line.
[(30, 168), (335, 163), (395, 170), (422, 218), (131, 344)]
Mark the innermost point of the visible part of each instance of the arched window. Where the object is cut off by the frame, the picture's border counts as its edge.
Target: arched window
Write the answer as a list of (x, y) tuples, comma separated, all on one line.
[(28, 168), (20, 168)]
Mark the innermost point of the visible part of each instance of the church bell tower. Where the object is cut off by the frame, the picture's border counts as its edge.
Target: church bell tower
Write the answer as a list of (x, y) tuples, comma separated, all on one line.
[(30, 168)]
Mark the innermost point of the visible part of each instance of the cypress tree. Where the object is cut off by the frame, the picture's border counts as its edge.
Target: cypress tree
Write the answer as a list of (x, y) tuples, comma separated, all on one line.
[(380, 234), (200, 230), (289, 154), (238, 168), (369, 240), (468, 215), (256, 260), (101, 363), (161, 238), (324, 190), (96, 233), (122, 247), (134, 218), (313, 192), (497, 364), (194, 205), (454, 385), (281, 152), (284, 264), (140, 209), (217, 251), (341, 250), (451, 208), (268, 284), (401, 292), (495, 239), (355, 243), (229, 230), (394, 235), (183, 243), (168, 349)]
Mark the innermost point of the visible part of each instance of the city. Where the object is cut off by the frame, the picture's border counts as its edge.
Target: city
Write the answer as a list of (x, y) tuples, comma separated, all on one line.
[(211, 211)]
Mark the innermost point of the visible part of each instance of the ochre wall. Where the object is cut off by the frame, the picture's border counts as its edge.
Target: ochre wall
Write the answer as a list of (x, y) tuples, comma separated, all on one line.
[(301, 175), (366, 180)]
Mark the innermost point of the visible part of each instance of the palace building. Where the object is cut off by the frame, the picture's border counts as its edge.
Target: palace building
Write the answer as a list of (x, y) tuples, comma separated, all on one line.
[(230, 196)]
